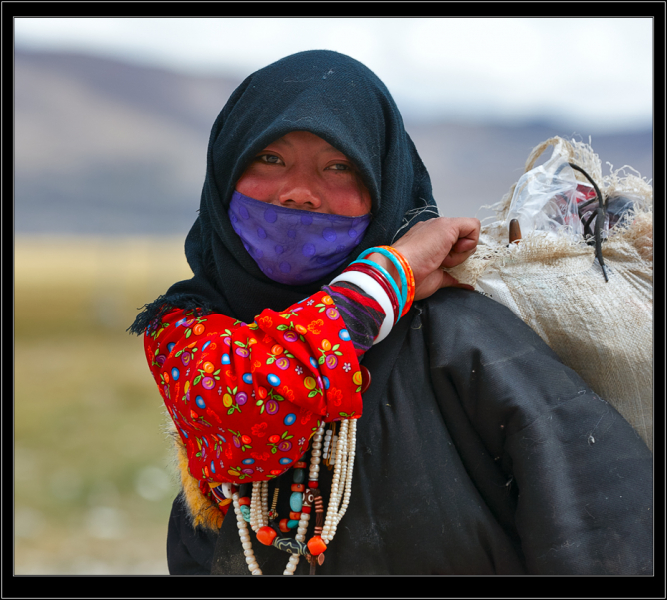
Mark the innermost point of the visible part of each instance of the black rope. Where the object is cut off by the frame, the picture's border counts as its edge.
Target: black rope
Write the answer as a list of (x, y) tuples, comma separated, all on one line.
[(600, 213)]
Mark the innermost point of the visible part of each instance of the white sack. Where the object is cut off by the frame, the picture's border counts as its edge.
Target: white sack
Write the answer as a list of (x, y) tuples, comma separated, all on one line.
[(602, 330)]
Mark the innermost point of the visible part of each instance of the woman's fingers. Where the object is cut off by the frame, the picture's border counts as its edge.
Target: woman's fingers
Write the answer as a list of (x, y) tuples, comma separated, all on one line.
[(431, 245), (453, 259), (436, 280), (468, 227), (465, 245)]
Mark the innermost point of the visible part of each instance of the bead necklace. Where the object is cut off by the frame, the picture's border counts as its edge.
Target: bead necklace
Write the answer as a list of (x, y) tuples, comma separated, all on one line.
[(329, 448), (324, 532), (341, 485)]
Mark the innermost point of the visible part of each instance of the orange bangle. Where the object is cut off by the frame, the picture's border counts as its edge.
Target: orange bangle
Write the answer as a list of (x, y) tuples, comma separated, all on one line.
[(410, 277)]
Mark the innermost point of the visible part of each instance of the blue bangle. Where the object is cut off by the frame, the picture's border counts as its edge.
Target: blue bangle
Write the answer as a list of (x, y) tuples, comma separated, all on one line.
[(389, 279), (397, 264)]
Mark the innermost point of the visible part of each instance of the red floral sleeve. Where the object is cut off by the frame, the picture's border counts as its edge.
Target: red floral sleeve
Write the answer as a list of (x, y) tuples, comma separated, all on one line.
[(246, 399)]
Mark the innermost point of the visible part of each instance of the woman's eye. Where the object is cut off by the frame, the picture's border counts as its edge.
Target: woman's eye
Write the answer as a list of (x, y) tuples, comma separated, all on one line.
[(340, 167), (271, 159)]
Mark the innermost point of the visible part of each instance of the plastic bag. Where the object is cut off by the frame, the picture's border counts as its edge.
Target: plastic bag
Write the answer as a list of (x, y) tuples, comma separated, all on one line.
[(547, 198)]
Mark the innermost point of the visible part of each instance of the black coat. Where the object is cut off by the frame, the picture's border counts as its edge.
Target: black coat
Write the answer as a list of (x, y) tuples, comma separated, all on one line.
[(478, 452)]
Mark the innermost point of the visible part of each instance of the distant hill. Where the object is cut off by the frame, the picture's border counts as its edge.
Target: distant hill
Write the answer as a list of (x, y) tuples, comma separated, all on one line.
[(104, 147), (472, 165)]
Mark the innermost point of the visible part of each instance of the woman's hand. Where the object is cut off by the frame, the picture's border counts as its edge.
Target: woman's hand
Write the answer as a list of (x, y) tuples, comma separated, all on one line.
[(431, 245)]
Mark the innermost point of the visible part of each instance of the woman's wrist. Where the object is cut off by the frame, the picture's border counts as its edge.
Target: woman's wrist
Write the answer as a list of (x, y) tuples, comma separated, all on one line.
[(372, 288), (398, 274)]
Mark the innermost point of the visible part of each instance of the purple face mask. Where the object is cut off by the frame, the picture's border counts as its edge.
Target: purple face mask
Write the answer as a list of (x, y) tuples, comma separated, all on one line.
[(294, 246)]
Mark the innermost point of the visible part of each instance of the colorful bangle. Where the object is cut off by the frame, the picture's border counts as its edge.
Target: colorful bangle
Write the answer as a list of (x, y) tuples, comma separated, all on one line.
[(382, 281), (399, 268), (374, 289), (409, 273), (389, 278), (370, 271)]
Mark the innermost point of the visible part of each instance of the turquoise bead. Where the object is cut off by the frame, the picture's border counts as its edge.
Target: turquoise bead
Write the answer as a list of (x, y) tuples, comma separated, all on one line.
[(245, 511), (296, 501), (299, 475), (292, 523)]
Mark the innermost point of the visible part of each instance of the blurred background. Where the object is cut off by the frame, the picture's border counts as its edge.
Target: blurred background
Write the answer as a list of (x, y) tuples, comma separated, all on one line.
[(112, 118)]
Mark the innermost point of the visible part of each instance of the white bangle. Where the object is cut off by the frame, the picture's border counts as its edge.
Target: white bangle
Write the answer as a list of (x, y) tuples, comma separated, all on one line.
[(374, 289)]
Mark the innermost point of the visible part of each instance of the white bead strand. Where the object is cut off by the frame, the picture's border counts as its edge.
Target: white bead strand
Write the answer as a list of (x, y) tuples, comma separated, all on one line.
[(351, 447), (332, 456), (254, 503), (265, 503), (327, 443), (330, 521), (291, 565), (253, 567), (314, 471)]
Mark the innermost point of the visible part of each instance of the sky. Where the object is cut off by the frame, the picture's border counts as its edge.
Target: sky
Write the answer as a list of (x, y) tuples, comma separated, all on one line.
[(592, 72)]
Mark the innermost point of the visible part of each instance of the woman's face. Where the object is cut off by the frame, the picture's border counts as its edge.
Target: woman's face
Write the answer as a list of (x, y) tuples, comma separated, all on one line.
[(300, 170)]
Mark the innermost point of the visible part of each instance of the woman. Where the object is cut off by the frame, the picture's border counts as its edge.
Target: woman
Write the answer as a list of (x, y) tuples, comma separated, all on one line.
[(472, 450)]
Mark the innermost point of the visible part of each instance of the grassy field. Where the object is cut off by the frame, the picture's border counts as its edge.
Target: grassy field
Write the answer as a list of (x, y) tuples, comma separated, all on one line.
[(93, 477)]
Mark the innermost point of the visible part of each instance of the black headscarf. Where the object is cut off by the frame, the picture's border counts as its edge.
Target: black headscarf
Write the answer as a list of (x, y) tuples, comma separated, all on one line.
[(338, 99)]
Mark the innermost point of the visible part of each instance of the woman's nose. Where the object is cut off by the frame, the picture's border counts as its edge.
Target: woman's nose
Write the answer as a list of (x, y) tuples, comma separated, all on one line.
[(300, 194)]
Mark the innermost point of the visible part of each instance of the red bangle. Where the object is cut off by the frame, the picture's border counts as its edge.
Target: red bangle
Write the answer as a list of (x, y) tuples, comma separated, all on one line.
[(368, 270), (410, 277)]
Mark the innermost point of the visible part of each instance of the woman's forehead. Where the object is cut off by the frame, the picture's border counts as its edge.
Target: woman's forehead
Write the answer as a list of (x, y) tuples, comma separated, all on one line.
[(301, 139)]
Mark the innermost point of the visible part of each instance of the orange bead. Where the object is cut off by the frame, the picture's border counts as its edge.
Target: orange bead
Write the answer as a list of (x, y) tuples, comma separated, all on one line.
[(300, 464), (245, 501), (282, 524), (266, 534), (316, 545), (294, 515), (298, 487)]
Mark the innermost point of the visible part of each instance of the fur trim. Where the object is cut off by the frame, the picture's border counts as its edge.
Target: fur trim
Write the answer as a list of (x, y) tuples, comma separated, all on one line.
[(202, 511), (152, 313)]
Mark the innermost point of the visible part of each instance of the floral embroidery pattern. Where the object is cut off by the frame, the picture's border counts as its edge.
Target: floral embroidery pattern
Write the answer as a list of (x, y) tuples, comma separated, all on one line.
[(242, 394), (315, 325)]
